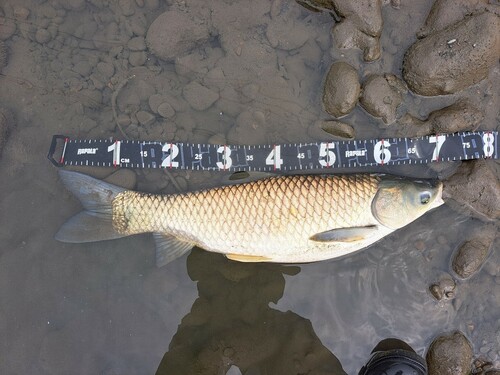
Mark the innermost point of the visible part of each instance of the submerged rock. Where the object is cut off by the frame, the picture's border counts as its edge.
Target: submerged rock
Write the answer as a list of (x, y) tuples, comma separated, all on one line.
[(341, 89), (199, 96), (382, 95), (475, 189), (452, 59), (6, 121), (444, 289), (360, 27), (449, 355), (174, 34), (3, 55), (458, 117), (471, 255)]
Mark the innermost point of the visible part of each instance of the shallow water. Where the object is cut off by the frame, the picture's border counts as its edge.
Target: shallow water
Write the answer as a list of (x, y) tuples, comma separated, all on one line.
[(104, 307)]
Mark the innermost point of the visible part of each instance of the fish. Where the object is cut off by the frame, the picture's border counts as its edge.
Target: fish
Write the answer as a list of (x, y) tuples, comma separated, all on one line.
[(282, 219)]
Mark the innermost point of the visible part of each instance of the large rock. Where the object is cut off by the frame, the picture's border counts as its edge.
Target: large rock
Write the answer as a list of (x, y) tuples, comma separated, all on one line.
[(450, 355), (341, 89), (174, 34), (452, 59), (475, 189), (471, 255), (382, 95), (458, 117)]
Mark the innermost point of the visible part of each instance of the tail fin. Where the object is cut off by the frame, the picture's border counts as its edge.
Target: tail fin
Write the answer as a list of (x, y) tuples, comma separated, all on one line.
[(95, 223)]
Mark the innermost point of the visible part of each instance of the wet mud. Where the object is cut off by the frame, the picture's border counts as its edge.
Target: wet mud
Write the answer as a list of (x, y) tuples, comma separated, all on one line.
[(235, 72)]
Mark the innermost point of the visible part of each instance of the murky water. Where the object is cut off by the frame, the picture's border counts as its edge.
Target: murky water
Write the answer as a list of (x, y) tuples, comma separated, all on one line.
[(104, 308)]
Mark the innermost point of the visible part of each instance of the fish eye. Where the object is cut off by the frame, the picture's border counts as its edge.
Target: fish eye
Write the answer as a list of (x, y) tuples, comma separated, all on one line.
[(425, 197)]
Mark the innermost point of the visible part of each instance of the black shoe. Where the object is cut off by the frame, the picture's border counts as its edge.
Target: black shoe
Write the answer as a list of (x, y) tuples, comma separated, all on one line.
[(395, 362)]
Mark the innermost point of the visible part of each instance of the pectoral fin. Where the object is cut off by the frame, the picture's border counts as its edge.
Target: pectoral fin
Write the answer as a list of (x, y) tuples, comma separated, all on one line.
[(169, 248), (247, 258), (345, 234)]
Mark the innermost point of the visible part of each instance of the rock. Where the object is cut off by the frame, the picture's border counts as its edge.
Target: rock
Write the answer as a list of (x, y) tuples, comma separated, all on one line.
[(21, 13), (361, 26), (137, 44), (444, 289), (475, 189), (452, 59), (458, 117), (471, 255), (127, 7), (6, 122), (381, 96), (7, 26), (198, 96), (106, 70), (42, 36), (125, 178), (145, 118), (174, 34), (337, 129), (137, 58), (341, 89), (3, 55), (165, 110), (83, 68), (447, 12), (449, 355)]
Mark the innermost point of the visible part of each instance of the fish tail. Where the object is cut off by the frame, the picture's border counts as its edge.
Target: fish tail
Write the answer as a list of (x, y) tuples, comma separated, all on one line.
[(95, 223)]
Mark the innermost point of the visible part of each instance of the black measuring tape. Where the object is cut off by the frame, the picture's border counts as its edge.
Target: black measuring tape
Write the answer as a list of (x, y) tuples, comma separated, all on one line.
[(271, 158)]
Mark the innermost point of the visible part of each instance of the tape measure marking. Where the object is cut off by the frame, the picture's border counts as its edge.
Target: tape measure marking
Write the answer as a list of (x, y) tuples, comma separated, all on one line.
[(276, 157)]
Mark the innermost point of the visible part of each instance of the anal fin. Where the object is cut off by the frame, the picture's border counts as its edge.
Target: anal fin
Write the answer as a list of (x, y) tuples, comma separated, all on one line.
[(247, 258), (345, 234), (169, 248)]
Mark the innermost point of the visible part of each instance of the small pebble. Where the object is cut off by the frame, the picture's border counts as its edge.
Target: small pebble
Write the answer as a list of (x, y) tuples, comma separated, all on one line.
[(165, 110), (145, 118), (420, 245), (137, 58), (42, 36), (137, 44)]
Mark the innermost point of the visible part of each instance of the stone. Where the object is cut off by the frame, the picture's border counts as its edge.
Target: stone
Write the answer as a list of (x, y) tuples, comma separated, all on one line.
[(471, 255), (444, 289), (137, 58), (475, 190), (458, 117), (455, 58), (198, 96), (42, 36), (360, 27), (137, 44), (165, 110), (106, 70), (382, 95), (449, 355), (341, 89), (173, 34), (6, 122), (336, 129), (145, 118)]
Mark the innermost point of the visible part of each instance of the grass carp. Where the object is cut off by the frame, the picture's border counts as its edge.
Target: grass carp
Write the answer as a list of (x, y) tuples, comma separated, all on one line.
[(288, 219)]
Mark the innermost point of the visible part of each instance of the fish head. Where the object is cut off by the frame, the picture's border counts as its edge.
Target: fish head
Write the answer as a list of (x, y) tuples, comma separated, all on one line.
[(398, 202)]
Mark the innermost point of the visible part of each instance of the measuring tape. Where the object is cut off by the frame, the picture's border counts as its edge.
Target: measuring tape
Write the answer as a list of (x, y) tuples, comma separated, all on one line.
[(270, 158)]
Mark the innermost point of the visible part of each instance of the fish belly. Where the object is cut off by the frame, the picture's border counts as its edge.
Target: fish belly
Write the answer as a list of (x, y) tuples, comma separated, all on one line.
[(272, 218)]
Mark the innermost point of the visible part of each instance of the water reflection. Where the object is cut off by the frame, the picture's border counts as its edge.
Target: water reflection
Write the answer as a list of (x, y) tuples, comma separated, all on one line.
[(232, 325)]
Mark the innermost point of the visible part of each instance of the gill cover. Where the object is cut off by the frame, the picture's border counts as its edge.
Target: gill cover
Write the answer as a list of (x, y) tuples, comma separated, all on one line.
[(398, 202)]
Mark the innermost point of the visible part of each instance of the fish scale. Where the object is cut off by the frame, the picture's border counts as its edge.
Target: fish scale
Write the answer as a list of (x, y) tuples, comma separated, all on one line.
[(276, 215)]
